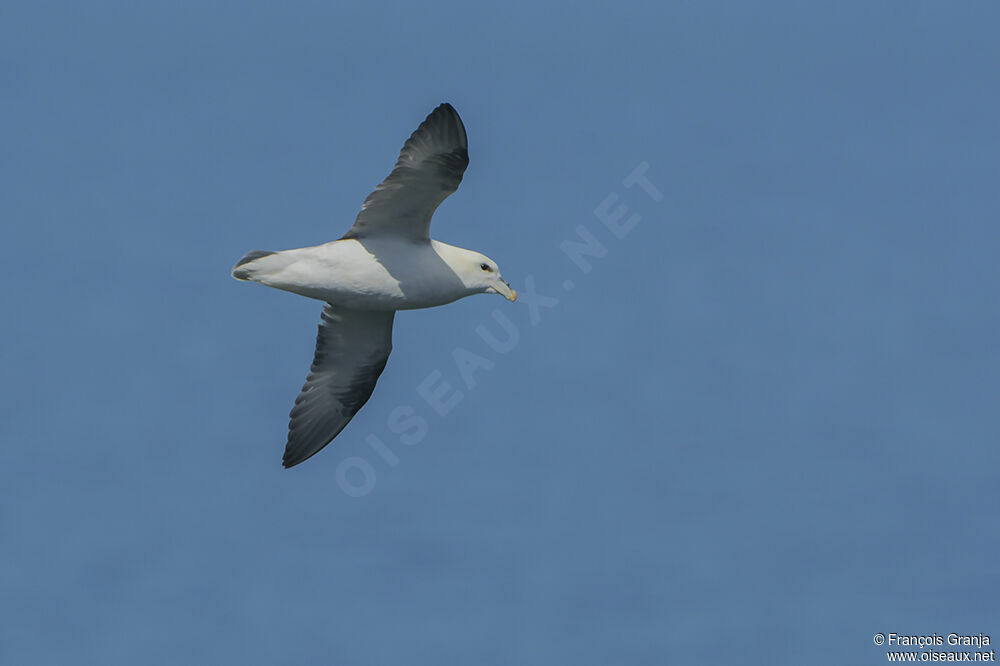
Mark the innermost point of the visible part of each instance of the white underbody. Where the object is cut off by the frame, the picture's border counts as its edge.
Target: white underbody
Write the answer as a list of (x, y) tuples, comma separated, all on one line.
[(384, 273)]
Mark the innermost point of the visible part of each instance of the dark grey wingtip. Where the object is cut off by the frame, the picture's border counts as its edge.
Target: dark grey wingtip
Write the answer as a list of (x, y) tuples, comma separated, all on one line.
[(253, 255), (295, 456)]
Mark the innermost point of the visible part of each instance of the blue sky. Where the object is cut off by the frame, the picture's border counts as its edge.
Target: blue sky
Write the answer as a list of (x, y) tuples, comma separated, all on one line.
[(760, 429)]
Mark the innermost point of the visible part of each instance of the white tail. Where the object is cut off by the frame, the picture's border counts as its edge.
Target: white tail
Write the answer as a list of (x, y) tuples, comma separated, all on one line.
[(244, 268)]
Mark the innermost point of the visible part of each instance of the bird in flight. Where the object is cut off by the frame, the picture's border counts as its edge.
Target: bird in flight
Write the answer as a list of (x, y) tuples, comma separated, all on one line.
[(386, 262)]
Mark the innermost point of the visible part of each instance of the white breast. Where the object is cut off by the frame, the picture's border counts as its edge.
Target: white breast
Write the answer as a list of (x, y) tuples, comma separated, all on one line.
[(364, 274)]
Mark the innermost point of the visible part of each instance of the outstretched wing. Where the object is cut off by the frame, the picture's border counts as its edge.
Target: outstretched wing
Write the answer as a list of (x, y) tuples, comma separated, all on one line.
[(352, 348), (429, 168)]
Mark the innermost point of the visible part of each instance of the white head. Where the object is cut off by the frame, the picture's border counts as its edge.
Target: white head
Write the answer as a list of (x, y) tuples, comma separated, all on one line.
[(478, 272)]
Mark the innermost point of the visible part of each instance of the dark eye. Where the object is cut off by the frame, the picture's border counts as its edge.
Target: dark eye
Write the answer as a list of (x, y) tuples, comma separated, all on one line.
[(485, 267)]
